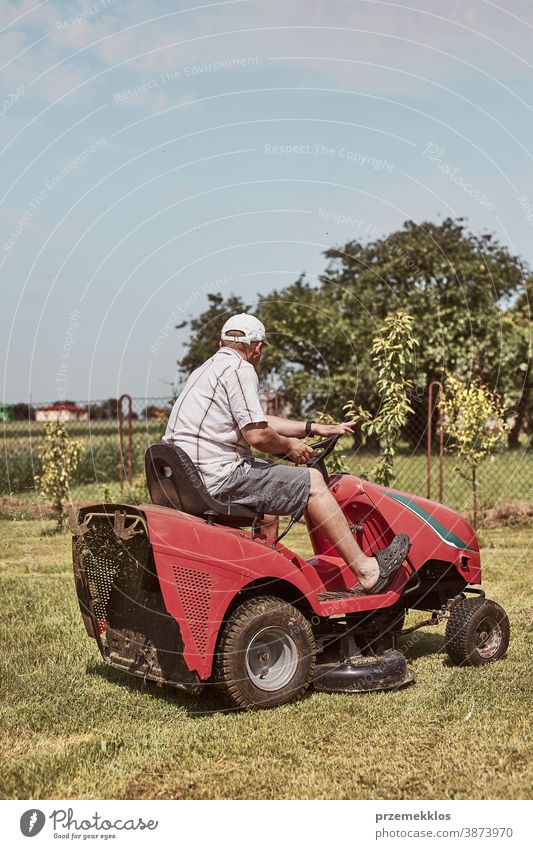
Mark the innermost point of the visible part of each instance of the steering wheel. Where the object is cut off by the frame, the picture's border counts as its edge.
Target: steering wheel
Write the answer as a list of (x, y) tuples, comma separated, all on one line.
[(326, 445)]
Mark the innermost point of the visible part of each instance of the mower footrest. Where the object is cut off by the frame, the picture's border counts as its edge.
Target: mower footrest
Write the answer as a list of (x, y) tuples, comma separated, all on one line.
[(340, 596)]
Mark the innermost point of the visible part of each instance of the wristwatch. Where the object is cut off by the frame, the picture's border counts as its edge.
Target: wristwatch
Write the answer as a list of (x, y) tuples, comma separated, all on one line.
[(308, 425)]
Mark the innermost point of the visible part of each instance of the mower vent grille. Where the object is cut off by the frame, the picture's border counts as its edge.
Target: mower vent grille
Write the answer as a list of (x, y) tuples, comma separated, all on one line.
[(101, 573), (194, 589)]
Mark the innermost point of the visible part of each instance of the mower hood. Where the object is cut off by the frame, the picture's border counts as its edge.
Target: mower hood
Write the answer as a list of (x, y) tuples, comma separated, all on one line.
[(436, 531), (447, 524)]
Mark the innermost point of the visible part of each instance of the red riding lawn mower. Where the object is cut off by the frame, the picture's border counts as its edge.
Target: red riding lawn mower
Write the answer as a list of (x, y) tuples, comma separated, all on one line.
[(187, 591)]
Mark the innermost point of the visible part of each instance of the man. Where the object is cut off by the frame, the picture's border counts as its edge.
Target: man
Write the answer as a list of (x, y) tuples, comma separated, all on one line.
[(218, 419)]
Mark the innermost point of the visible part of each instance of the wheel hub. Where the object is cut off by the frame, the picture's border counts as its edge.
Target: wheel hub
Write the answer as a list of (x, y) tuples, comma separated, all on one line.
[(271, 658), (488, 638)]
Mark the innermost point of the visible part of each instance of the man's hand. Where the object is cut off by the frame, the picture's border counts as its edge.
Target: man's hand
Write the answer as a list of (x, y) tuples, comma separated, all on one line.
[(325, 430), (300, 452)]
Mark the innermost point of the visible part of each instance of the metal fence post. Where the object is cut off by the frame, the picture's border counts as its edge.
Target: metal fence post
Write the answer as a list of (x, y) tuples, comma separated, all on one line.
[(440, 426), (121, 439)]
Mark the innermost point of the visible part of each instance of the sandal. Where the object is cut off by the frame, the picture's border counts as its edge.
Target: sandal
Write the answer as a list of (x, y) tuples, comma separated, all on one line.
[(389, 561)]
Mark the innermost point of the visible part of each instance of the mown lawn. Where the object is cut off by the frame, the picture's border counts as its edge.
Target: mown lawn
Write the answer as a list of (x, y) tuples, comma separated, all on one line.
[(70, 728)]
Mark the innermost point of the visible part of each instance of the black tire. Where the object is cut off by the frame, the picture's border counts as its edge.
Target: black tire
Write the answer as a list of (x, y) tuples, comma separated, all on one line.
[(477, 632), (266, 654)]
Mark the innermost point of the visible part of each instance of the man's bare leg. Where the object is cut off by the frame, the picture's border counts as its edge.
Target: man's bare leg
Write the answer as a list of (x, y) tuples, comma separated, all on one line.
[(270, 525), (324, 512)]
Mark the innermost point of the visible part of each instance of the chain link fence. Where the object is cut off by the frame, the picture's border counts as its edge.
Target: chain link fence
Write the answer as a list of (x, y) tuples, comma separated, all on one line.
[(97, 424), (103, 471)]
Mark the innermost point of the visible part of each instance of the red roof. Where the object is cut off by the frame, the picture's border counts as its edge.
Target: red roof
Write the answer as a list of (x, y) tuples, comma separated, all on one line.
[(71, 408)]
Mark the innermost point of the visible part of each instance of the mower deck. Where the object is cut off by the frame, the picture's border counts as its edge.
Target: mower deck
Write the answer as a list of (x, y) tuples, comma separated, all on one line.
[(388, 671)]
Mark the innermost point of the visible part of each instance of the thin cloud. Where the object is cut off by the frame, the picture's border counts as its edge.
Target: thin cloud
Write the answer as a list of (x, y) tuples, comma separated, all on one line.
[(303, 38)]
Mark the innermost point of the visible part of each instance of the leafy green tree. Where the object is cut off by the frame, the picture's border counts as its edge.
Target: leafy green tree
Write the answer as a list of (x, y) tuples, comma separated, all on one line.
[(461, 289), (392, 354), (517, 369), (59, 460), (474, 422), (314, 354), (455, 285)]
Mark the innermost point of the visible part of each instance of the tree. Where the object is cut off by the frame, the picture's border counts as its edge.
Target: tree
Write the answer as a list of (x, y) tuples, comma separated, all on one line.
[(153, 412), (474, 423), (314, 354), (461, 289), (59, 459), (455, 284), (517, 330), (21, 412), (392, 354), (105, 410)]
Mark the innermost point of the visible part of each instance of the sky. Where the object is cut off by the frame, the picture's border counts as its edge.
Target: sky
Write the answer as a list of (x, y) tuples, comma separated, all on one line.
[(153, 152)]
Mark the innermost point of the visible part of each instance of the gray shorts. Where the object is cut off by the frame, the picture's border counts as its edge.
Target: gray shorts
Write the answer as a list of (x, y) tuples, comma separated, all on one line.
[(283, 490)]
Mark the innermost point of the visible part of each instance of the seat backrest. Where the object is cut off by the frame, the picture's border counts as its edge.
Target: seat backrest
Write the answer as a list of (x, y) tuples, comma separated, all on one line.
[(173, 480)]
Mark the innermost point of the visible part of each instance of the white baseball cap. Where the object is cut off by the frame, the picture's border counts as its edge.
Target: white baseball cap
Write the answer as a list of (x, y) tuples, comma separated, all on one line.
[(253, 329)]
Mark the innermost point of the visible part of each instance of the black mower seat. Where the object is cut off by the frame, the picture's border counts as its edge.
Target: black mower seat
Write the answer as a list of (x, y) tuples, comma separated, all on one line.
[(174, 481)]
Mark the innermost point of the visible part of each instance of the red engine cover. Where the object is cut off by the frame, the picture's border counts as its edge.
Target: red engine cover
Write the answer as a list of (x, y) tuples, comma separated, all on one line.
[(201, 567)]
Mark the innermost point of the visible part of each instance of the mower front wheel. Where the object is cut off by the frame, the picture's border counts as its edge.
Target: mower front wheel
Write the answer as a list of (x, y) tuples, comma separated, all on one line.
[(266, 654), (477, 632)]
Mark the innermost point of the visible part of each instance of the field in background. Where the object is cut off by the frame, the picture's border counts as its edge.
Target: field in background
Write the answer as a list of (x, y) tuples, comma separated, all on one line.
[(100, 462), (70, 728), (507, 477)]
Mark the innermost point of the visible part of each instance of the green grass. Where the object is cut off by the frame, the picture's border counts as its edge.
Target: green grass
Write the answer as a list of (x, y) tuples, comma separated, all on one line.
[(70, 728)]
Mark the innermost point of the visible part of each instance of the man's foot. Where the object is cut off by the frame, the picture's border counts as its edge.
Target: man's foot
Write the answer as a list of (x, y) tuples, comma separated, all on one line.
[(367, 574), (389, 561)]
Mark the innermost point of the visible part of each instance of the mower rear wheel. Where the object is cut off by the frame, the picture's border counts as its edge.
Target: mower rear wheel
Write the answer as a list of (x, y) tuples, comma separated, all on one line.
[(266, 654), (477, 632)]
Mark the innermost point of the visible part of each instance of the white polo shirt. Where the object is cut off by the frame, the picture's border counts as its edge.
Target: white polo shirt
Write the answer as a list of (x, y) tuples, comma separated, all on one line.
[(218, 400)]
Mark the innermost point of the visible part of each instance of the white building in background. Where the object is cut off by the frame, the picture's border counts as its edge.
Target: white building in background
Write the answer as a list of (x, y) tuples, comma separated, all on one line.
[(61, 412)]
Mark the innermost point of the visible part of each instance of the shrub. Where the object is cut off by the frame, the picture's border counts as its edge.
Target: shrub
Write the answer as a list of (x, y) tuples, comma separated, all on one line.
[(392, 351), (59, 459), (474, 422)]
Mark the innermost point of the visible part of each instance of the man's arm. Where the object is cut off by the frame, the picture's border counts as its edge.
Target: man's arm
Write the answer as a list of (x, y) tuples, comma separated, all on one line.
[(287, 427), (290, 428), (264, 438)]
